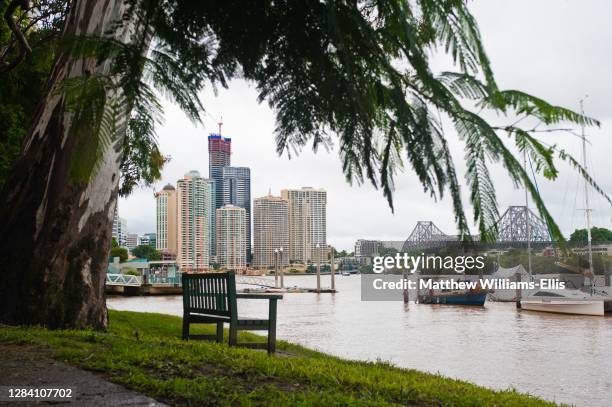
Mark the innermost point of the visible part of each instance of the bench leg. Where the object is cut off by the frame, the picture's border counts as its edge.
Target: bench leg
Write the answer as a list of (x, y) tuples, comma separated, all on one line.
[(219, 332), (272, 327), (185, 327), (233, 335)]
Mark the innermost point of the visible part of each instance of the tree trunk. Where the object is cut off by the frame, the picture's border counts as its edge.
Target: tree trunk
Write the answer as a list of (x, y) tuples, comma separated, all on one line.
[(55, 230)]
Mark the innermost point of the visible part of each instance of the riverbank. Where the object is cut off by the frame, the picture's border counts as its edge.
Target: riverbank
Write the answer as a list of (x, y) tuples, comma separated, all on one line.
[(144, 353)]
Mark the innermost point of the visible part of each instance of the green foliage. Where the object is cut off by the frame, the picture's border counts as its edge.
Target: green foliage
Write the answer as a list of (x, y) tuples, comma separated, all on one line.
[(324, 268), (144, 352), (357, 70), (120, 252), (550, 264), (597, 235), (366, 269), (114, 243), (341, 253), (146, 252), (20, 92), (22, 88), (386, 251), (130, 272)]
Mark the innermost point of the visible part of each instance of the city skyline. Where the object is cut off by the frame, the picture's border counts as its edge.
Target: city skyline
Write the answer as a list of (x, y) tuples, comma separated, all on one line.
[(535, 65)]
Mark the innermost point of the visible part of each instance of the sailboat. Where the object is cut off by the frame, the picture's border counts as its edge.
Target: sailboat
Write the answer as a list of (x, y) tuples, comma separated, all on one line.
[(570, 301)]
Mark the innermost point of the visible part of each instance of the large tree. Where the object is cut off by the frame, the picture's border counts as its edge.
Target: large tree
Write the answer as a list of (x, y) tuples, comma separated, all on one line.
[(146, 252), (356, 70), (598, 235)]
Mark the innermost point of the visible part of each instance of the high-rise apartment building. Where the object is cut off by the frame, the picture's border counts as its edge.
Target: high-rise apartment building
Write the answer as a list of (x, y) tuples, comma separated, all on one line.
[(219, 156), (307, 223), (237, 191), (270, 231), (119, 231), (195, 196), (166, 239), (231, 237)]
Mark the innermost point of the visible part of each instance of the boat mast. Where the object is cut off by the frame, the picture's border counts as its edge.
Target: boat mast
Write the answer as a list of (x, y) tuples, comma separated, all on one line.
[(587, 210), (528, 225)]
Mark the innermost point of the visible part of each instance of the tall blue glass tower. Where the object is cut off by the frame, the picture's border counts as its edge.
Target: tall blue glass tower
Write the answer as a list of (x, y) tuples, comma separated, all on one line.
[(236, 191)]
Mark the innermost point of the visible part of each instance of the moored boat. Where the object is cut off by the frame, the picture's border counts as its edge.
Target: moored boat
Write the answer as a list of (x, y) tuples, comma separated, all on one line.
[(476, 297), (566, 301)]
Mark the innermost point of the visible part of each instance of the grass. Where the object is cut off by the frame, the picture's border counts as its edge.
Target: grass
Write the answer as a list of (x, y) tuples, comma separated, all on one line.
[(144, 352)]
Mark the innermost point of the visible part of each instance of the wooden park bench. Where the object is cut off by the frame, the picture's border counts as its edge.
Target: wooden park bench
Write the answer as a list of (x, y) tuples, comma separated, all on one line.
[(212, 298)]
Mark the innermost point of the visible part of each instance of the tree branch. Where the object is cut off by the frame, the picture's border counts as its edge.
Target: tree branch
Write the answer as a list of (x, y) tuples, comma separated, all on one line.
[(24, 46)]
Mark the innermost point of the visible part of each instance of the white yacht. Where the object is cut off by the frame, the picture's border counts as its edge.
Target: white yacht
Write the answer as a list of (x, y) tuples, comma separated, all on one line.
[(572, 301), (566, 301)]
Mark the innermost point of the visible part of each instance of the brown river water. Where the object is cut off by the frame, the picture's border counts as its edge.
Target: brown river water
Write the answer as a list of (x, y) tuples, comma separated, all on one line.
[(562, 358)]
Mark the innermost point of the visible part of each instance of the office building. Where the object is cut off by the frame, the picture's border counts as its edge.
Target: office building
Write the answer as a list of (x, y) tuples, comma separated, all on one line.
[(195, 196), (166, 239), (231, 237), (148, 239), (307, 223), (219, 156), (367, 248), (270, 231), (132, 241), (237, 191)]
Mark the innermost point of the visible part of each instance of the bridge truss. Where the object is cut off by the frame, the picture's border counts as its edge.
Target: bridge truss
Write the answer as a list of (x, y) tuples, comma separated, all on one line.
[(254, 280), (123, 279), (426, 235), (517, 224), (521, 224)]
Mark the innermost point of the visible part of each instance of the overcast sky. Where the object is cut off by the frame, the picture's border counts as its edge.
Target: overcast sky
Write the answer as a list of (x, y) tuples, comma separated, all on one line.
[(560, 50)]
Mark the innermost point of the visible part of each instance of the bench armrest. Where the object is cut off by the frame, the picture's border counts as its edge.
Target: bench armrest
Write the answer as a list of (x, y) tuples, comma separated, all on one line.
[(262, 296)]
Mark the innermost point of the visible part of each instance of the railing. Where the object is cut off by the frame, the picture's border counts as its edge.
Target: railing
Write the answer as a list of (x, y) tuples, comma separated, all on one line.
[(123, 279), (251, 280), (164, 280), (129, 280)]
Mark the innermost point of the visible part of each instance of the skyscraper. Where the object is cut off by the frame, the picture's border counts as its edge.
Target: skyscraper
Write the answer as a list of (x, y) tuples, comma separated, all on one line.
[(307, 223), (231, 237), (219, 156), (194, 226), (119, 231), (166, 239), (270, 230), (237, 191)]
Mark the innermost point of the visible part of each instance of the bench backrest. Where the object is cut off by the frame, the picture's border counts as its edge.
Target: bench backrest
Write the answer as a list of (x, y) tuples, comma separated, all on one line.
[(210, 294)]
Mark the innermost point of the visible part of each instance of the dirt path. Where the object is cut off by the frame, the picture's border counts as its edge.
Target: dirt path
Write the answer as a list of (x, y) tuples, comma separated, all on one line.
[(22, 366)]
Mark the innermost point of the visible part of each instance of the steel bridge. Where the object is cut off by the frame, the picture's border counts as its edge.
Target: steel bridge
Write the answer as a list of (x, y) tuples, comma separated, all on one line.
[(518, 224), (426, 235)]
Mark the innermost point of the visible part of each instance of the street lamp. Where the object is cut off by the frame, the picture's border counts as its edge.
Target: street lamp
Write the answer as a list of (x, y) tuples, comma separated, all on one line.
[(318, 268), (282, 269)]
